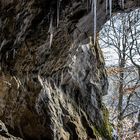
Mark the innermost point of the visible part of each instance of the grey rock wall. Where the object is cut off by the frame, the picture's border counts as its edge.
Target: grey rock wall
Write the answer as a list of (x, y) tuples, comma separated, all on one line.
[(51, 86)]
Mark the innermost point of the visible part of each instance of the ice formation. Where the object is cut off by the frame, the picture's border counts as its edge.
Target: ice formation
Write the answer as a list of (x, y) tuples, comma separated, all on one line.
[(51, 31), (94, 11)]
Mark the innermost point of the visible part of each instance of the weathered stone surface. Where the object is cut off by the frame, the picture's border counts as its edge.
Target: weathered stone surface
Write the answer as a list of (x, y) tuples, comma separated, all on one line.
[(4, 135), (52, 92)]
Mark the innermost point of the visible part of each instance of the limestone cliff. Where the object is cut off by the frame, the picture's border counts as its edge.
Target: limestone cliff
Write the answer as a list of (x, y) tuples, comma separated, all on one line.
[(51, 80)]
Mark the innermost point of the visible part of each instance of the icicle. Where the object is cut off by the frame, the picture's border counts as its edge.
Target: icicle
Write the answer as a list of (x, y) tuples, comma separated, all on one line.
[(51, 31), (94, 8), (51, 38), (122, 3), (58, 11), (110, 7), (106, 7)]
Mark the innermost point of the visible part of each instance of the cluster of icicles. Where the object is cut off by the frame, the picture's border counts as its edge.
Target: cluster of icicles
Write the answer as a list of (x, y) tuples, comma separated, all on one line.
[(108, 10), (94, 11), (93, 3)]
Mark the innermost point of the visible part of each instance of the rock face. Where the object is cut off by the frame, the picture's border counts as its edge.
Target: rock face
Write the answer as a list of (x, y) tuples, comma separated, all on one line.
[(4, 135), (51, 86)]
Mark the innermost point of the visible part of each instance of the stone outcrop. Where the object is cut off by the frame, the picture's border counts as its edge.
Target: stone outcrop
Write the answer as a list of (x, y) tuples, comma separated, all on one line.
[(51, 80), (4, 134)]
